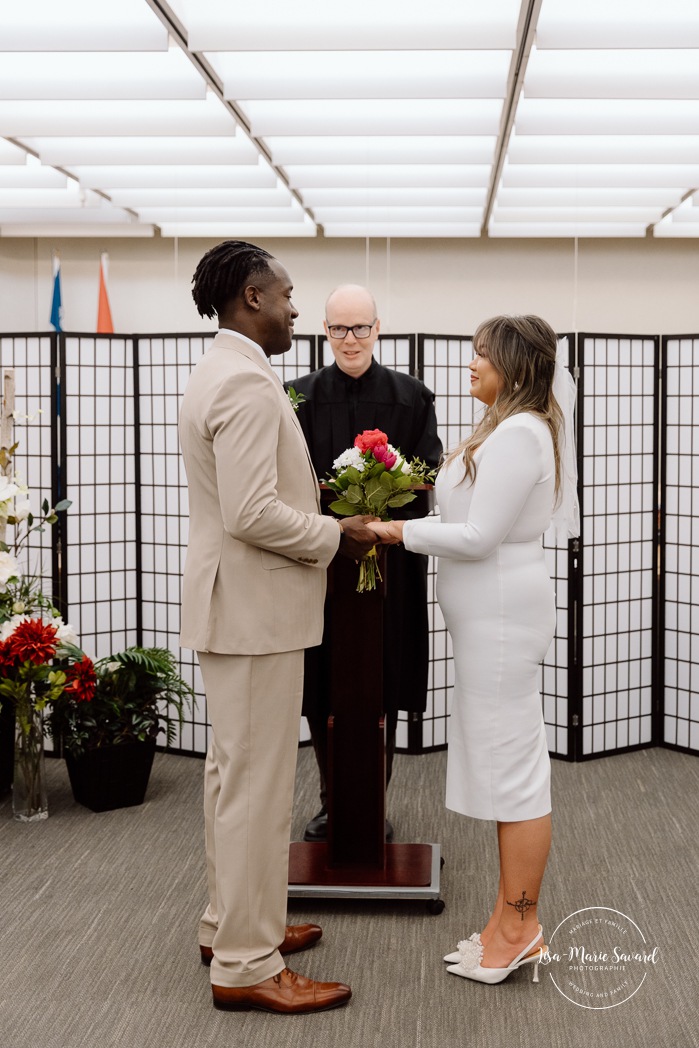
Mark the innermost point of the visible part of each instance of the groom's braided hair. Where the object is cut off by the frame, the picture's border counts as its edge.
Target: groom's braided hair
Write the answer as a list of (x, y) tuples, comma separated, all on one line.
[(223, 272)]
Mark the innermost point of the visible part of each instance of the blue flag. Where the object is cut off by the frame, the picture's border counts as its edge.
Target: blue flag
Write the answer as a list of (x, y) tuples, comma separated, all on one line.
[(56, 304)]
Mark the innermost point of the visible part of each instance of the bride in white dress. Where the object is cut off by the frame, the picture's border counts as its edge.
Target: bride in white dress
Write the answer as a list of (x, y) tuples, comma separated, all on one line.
[(496, 494)]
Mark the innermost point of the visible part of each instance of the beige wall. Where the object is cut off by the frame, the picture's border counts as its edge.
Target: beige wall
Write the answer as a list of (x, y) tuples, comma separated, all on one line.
[(435, 286)]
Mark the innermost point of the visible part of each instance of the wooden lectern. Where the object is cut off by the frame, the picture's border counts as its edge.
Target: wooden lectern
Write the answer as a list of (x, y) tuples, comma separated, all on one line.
[(356, 861)]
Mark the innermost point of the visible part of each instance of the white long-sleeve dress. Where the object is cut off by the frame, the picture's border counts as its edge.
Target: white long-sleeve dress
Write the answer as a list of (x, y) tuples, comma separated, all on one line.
[(498, 603)]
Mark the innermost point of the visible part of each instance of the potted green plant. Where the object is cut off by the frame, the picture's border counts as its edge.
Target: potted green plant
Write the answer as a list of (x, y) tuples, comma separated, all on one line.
[(109, 742)]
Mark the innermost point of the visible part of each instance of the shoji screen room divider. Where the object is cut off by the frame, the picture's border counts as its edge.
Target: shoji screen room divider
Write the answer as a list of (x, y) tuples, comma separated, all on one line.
[(622, 670)]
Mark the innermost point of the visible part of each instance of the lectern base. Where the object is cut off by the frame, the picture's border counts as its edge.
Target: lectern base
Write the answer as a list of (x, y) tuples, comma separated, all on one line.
[(411, 872)]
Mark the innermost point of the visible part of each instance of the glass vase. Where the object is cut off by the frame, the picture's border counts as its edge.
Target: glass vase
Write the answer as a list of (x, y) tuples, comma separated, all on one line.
[(29, 801)]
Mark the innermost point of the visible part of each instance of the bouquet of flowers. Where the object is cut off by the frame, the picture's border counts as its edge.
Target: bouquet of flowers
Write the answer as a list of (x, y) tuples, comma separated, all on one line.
[(372, 477)]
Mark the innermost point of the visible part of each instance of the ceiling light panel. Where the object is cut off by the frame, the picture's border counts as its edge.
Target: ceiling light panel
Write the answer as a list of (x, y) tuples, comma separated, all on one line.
[(395, 197), (609, 105), (105, 95), (364, 24), (384, 176), (600, 24), (369, 98), (219, 230), (402, 229), (81, 25), (28, 119), (87, 150), (379, 119), (362, 74), (85, 75), (176, 176), (658, 73), (362, 149)]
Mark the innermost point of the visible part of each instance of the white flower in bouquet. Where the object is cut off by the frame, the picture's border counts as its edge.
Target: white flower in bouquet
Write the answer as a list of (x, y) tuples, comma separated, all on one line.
[(350, 457), (8, 569), (8, 490), (65, 632), (9, 627), (23, 508)]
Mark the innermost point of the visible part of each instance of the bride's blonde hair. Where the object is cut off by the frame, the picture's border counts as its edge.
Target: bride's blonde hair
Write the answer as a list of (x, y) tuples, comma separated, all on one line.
[(523, 352)]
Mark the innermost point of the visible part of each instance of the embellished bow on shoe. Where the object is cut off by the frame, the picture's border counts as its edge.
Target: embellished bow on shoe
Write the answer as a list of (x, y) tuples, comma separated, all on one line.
[(468, 953)]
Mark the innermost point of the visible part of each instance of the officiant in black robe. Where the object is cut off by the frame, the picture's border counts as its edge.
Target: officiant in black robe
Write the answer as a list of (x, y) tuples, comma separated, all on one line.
[(353, 394)]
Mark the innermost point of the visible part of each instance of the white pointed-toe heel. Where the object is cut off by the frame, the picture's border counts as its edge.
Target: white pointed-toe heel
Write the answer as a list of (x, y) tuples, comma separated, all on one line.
[(467, 948), (469, 970)]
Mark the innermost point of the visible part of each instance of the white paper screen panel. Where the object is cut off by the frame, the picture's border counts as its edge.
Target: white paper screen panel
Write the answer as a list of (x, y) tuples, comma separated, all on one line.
[(618, 514), (99, 470), (32, 360), (681, 605)]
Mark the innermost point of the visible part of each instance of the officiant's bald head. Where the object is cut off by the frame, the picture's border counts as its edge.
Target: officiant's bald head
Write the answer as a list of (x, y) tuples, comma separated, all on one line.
[(352, 326)]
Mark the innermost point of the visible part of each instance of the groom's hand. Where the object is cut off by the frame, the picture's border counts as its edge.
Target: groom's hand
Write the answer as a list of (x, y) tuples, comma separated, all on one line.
[(357, 539)]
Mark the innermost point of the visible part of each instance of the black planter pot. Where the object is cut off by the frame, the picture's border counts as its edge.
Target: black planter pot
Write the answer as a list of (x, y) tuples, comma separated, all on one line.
[(7, 745), (112, 776)]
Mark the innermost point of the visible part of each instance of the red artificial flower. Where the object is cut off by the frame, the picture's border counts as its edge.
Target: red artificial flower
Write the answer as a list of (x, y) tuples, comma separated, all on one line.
[(81, 680), (7, 658), (370, 439), (33, 641)]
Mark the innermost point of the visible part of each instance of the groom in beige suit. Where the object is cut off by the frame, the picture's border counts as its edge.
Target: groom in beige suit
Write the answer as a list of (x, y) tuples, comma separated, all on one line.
[(252, 600)]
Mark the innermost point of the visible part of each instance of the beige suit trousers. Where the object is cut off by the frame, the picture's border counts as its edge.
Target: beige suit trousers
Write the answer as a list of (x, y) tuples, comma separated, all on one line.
[(254, 706)]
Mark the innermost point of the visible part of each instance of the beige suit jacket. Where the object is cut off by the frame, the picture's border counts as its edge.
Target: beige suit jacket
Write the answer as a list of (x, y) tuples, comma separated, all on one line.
[(254, 577)]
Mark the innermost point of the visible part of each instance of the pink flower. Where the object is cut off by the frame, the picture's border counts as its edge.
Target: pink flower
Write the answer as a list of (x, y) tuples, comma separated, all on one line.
[(382, 454)]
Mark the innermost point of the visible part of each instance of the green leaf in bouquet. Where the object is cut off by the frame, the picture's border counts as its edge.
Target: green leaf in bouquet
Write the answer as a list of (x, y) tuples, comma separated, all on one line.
[(374, 489), (343, 508), (375, 469), (402, 482), (354, 494), (402, 499), (353, 475), (63, 504)]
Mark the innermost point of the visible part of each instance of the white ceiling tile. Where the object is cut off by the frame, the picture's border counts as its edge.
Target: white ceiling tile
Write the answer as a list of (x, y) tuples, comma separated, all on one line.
[(360, 149), (364, 24), (379, 176), (362, 74), (81, 25), (448, 116), (96, 75)]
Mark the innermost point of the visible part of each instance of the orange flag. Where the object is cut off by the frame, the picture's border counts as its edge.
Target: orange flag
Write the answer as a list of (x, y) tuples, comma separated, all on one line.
[(104, 313)]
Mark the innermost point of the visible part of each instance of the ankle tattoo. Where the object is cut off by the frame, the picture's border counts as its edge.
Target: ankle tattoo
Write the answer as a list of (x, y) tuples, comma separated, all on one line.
[(522, 905)]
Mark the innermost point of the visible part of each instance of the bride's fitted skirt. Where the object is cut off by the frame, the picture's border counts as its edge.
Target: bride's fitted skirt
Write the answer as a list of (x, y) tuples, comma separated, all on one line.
[(501, 615)]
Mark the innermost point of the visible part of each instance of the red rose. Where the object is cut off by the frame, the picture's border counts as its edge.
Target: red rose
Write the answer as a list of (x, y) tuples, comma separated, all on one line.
[(370, 439), (81, 680), (33, 641)]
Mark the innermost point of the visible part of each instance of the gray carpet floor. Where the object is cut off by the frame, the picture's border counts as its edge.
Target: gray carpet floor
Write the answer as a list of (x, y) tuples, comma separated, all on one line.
[(99, 917)]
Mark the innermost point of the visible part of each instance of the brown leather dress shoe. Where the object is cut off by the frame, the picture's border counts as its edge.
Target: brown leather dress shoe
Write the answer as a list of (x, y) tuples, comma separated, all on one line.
[(298, 937), (288, 992)]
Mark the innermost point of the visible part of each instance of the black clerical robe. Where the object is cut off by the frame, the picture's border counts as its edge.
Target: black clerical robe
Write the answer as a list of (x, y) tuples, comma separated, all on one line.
[(337, 408)]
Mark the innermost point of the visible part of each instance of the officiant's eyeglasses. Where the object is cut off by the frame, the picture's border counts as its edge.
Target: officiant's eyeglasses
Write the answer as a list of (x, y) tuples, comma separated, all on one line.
[(358, 330)]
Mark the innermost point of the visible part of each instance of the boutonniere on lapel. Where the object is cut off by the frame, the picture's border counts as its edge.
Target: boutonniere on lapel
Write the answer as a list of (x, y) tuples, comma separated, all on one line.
[(295, 398)]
